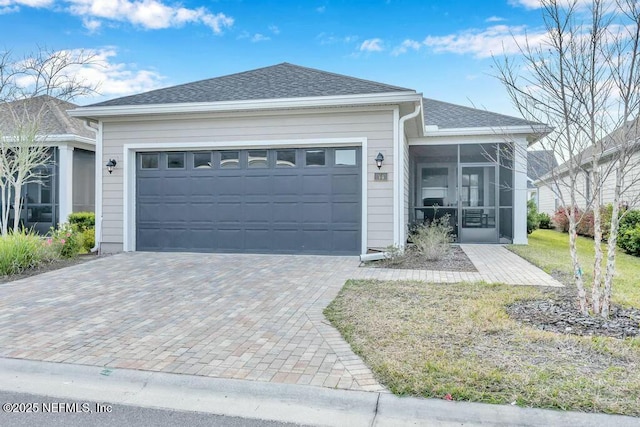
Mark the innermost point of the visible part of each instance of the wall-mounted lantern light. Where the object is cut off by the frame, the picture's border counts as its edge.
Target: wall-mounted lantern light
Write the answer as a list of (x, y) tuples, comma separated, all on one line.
[(379, 160), (110, 165)]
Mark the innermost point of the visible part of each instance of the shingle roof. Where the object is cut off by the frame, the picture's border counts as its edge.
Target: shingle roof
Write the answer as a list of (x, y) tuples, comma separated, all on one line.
[(53, 118), (540, 162), (278, 81), (445, 115)]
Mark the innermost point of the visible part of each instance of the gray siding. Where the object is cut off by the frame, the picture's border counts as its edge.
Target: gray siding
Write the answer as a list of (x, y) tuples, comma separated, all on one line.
[(376, 126)]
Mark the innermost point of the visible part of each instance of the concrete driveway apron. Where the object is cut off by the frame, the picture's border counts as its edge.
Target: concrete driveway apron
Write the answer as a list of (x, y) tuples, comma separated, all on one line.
[(255, 317)]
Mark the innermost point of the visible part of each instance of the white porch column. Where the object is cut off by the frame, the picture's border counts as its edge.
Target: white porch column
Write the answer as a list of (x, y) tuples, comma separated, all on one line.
[(65, 182), (520, 193)]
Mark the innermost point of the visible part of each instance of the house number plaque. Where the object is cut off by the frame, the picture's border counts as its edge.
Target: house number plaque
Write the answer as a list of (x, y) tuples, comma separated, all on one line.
[(380, 176)]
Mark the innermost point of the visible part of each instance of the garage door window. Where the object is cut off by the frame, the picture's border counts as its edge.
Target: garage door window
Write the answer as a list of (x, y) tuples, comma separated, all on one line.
[(202, 160), (315, 158), (346, 157), (149, 161), (175, 161), (257, 158), (285, 158), (229, 159)]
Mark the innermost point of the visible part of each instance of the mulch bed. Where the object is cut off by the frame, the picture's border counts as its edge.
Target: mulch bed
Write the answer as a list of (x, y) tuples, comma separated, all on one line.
[(559, 312), (56, 265), (457, 260)]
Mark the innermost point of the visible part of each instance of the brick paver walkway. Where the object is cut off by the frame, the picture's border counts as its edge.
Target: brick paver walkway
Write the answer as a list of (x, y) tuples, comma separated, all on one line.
[(495, 264), (256, 317)]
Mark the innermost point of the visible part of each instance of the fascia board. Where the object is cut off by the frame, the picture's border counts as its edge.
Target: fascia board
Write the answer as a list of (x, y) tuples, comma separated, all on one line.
[(266, 104)]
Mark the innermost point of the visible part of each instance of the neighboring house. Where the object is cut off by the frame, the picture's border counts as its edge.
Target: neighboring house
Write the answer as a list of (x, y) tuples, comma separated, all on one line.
[(552, 187), (68, 183), (288, 159), (539, 163)]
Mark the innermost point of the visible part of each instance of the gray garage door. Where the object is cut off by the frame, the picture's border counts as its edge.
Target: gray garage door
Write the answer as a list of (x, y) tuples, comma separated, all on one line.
[(263, 201)]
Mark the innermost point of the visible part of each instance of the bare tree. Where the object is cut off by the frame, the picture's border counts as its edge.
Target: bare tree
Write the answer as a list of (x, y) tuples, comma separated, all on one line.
[(28, 88), (582, 80)]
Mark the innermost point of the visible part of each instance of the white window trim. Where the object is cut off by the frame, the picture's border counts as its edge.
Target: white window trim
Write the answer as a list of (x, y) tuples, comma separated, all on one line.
[(129, 170)]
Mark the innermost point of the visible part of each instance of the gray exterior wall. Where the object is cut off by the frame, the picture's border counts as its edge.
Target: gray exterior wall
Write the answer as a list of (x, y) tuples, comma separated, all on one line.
[(631, 185), (375, 124), (84, 180)]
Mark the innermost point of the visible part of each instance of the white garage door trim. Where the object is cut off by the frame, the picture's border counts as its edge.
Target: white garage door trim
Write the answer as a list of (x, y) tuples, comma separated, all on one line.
[(129, 170)]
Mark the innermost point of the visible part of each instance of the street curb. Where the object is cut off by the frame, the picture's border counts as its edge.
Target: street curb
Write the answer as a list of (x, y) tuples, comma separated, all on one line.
[(270, 401)]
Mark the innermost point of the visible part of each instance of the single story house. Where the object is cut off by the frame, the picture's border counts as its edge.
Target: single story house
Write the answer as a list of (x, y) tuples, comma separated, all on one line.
[(67, 182), (554, 187), (289, 159), (539, 163)]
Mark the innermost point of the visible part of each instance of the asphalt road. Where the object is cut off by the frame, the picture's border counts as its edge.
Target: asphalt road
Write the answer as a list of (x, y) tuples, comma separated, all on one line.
[(19, 409)]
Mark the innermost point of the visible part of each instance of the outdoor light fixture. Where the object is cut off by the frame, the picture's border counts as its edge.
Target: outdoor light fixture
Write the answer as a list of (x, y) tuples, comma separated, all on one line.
[(110, 165), (379, 160)]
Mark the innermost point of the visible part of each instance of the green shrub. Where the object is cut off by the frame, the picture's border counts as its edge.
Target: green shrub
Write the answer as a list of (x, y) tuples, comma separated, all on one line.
[(88, 239), (629, 240), (66, 240), (533, 221), (21, 251), (545, 221), (83, 220), (433, 240), (629, 233)]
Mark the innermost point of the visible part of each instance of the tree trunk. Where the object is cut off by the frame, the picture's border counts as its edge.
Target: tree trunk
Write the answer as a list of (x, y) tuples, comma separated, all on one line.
[(611, 246), (5, 210), (582, 295), (17, 203), (596, 289)]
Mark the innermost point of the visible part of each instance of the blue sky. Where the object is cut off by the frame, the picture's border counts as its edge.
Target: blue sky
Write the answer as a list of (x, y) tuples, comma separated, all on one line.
[(440, 48)]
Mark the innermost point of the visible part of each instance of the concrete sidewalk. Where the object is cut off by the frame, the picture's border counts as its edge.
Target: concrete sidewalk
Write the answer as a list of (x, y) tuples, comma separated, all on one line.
[(301, 404)]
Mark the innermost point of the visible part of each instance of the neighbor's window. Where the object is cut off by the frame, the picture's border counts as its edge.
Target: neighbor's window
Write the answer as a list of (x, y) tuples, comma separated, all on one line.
[(229, 159), (346, 157), (285, 158), (175, 160), (257, 159), (149, 160), (315, 158), (202, 160)]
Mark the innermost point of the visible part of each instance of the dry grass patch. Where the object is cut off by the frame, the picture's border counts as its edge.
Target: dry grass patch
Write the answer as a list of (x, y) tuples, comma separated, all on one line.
[(430, 340)]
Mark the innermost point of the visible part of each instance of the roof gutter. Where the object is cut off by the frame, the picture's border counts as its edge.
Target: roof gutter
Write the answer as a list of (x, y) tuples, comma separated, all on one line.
[(98, 193), (488, 130), (261, 104), (398, 160)]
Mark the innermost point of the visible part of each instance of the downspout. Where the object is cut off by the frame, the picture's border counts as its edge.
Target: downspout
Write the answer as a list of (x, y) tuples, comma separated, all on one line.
[(98, 187), (399, 229)]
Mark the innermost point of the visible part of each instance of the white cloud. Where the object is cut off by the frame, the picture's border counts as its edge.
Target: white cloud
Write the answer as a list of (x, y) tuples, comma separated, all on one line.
[(527, 4), (148, 14), (274, 29), (494, 19), (371, 45), (112, 78), (92, 25), (8, 9), (496, 40), (28, 3), (405, 46), (259, 38), (325, 38)]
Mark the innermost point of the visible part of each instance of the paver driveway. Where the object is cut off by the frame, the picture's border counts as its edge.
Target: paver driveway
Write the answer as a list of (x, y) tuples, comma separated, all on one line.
[(234, 316)]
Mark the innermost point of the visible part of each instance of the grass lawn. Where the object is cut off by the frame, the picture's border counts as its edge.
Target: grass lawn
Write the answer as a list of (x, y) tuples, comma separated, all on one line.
[(549, 250), (430, 340)]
